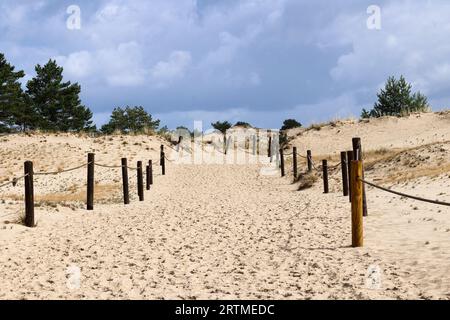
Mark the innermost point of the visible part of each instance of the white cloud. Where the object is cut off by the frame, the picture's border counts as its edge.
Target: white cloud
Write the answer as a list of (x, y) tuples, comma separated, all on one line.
[(174, 68), (412, 41), (78, 64), (118, 66)]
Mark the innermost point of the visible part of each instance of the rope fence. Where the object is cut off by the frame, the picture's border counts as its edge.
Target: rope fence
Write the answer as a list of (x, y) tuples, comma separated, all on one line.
[(353, 184), (61, 171), (90, 165), (406, 195), (13, 181)]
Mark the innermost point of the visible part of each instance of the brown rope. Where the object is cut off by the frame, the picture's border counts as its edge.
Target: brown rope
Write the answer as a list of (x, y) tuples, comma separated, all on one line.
[(13, 181), (114, 167), (406, 195), (62, 171)]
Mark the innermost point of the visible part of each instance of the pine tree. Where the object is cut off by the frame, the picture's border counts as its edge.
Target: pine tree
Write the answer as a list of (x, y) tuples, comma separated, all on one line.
[(290, 124), (130, 119), (57, 103), (396, 100), (12, 100)]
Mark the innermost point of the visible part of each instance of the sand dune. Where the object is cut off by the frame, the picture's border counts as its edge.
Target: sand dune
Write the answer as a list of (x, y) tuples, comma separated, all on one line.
[(231, 231)]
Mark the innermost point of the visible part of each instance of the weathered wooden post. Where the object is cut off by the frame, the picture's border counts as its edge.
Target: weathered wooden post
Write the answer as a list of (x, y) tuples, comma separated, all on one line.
[(349, 162), (358, 155), (325, 176), (126, 192), (140, 182), (357, 203), (163, 161), (29, 194), (147, 177), (269, 147), (344, 173), (294, 161), (90, 181), (309, 159), (150, 164), (282, 162)]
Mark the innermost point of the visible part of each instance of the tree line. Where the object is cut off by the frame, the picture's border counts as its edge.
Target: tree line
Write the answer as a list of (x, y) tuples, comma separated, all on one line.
[(51, 104)]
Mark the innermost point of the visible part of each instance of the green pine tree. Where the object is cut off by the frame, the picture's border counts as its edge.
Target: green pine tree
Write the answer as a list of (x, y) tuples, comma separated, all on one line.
[(396, 100), (57, 103), (12, 99), (130, 120)]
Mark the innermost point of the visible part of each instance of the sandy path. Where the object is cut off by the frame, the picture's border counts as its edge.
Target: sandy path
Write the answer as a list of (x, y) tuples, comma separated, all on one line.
[(203, 232)]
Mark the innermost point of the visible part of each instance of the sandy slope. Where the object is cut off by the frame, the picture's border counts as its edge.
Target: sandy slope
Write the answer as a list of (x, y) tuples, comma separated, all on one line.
[(388, 132), (230, 231), (249, 236)]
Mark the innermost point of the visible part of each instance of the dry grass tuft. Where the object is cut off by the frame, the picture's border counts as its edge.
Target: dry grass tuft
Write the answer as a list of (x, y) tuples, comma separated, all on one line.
[(306, 180)]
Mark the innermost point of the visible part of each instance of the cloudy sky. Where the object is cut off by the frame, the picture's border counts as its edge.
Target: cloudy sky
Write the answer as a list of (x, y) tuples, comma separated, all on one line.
[(259, 61)]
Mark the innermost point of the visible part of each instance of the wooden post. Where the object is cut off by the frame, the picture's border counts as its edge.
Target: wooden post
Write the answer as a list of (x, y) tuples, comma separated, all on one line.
[(309, 158), (254, 144), (147, 176), (150, 164), (294, 157), (357, 203), (163, 161), (140, 182), (90, 181), (179, 143), (344, 173), (325, 176), (126, 192), (349, 162), (29, 194), (282, 162), (358, 155), (269, 147)]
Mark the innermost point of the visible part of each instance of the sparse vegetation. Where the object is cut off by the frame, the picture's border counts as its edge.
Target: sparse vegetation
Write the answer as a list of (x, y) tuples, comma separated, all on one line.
[(243, 124), (306, 180), (288, 124)]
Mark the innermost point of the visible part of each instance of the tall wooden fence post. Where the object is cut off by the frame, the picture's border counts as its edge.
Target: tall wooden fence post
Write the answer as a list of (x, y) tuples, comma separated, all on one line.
[(29, 194), (147, 177), (357, 203), (309, 159), (140, 182), (294, 161), (325, 176), (282, 162), (269, 147), (126, 192), (358, 155), (349, 162), (163, 161), (90, 181), (344, 173), (150, 164)]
